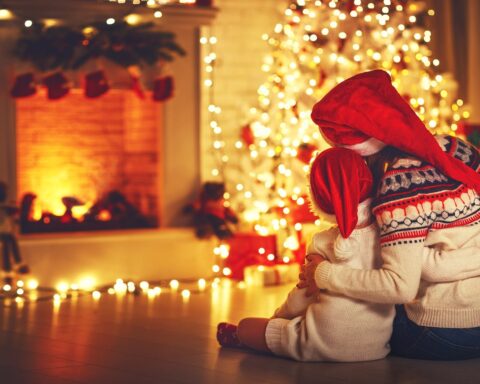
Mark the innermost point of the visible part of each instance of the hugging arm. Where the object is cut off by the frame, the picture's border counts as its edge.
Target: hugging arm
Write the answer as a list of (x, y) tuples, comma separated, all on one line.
[(441, 266)]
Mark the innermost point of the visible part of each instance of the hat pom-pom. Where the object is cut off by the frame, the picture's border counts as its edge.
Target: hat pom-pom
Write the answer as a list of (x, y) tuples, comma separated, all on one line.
[(345, 249)]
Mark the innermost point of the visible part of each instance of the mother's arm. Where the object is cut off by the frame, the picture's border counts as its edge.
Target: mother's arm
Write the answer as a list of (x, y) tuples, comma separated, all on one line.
[(396, 282)]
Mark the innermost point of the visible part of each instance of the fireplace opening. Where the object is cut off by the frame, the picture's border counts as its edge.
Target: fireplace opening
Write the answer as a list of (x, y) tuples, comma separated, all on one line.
[(88, 164)]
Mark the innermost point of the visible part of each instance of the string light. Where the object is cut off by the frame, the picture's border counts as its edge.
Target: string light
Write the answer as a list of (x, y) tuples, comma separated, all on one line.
[(327, 42)]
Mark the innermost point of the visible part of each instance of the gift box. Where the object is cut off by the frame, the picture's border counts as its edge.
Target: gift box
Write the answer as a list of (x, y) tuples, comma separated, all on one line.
[(471, 131), (264, 275), (249, 249)]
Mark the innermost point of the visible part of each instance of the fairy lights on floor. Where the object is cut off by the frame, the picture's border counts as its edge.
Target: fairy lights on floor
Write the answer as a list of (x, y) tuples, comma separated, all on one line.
[(29, 291)]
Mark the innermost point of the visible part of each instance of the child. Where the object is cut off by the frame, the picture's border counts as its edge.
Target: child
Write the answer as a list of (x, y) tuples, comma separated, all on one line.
[(329, 326)]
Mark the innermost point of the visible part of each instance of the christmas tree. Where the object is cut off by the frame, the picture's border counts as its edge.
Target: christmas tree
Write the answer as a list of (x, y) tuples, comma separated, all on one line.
[(319, 44)]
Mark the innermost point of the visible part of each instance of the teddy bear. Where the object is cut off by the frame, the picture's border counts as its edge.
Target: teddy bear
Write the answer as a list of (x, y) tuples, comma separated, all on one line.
[(210, 215)]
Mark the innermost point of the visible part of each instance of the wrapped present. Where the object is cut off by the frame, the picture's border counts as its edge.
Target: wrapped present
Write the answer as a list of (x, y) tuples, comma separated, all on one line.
[(249, 249), (471, 131), (263, 275)]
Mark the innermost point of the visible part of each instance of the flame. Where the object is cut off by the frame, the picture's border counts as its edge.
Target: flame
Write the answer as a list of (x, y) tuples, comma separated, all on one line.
[(104, 215)]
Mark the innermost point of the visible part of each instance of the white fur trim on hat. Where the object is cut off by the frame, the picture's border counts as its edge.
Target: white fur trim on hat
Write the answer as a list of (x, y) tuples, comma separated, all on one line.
[(367, 147)]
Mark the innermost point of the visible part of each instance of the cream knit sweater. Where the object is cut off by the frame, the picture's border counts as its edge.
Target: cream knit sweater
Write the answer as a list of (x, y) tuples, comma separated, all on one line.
[(419, 207), (332, 327)]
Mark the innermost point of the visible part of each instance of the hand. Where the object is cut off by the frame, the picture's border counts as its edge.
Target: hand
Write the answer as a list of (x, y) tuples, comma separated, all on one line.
[(307, 275)]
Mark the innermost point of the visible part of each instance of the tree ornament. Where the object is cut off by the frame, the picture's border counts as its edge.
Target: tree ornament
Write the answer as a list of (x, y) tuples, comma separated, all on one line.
[(247, 135), (23, 86), (57, 85), (96, 84), (305, 152), (163, 88)]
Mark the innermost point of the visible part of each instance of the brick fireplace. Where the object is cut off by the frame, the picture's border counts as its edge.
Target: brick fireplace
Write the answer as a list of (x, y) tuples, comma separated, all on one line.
[(149, 152), (88, 149)]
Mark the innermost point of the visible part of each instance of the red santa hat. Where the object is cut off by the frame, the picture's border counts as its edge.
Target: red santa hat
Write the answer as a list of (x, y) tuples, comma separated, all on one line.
[(339, 181), (365, 113)]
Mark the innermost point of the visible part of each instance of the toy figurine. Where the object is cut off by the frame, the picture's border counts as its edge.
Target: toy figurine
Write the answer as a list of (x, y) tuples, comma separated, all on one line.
[(12, 260), (211, 216)]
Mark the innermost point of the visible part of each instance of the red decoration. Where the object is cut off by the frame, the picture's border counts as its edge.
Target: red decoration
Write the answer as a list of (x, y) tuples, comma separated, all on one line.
[(302, 213), (96, 84), (24, 85), (211, 216), (471, 131), (247, 135), (57, 85), (204, 3), (466, 128), (321, 78), (244, 251), (305, 152), (163, 88), (137, 87)]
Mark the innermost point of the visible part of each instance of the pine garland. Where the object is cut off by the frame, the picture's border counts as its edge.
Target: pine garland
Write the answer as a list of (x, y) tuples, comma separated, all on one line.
[(69, 48)]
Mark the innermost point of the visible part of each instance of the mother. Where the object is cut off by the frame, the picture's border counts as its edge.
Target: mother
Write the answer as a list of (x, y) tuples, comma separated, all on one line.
[(427, 195)]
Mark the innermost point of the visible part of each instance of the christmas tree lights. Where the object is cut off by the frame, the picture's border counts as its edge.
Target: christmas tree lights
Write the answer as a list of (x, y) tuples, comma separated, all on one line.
[(319, 44)]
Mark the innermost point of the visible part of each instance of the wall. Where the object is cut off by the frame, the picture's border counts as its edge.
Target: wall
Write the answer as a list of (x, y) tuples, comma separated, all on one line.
[(239, 27)]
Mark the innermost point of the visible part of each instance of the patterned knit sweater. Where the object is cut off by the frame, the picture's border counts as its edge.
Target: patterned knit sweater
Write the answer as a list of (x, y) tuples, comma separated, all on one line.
[(418, 206)]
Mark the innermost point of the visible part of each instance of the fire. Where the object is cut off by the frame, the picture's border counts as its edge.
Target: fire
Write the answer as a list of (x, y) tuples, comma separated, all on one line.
[(104, 215)]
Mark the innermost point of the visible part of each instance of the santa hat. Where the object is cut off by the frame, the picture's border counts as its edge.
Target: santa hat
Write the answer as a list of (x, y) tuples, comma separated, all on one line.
[(365, 113), (339, 181)]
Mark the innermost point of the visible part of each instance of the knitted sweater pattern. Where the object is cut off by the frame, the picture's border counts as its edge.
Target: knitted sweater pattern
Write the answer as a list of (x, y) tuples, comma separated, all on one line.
[(415, 198)]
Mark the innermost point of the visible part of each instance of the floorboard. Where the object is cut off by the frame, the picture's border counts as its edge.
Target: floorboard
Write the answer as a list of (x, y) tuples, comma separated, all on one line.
[(167, 339)]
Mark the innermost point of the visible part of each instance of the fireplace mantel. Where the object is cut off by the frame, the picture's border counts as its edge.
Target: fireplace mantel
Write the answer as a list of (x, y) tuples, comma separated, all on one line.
[(181, 115), (81, 11)]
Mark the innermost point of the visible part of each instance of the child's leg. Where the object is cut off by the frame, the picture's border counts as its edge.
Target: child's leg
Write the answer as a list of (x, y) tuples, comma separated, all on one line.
[(251, 332)]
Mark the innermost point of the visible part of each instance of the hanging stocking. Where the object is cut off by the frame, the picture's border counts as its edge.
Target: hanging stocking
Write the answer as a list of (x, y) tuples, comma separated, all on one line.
[(57, 85), (163, 88), (23, 86), (204, 3), (96, 84)]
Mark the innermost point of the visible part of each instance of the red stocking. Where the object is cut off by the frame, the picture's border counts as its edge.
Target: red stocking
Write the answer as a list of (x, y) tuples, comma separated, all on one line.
[(204, 3), (57, 85), (96, 84), (23, 86), (163, 88)]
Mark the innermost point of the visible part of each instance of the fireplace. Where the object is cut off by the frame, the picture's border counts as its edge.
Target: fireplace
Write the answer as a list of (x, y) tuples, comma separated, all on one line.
[(160, 171), (88, 164)]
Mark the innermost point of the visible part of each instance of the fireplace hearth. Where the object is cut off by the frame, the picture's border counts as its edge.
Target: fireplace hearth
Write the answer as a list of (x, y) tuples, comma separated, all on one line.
[(111, 212)]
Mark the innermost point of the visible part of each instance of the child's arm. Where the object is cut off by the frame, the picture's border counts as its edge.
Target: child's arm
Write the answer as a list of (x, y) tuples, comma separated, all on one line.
[(444, 266), (295, 305), (297, 301)]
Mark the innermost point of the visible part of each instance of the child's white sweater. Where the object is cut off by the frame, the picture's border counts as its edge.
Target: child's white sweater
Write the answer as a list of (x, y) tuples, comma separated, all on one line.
[(332, 327)]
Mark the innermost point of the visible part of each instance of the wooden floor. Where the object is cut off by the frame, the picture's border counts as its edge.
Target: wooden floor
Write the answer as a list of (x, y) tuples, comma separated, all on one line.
[(169, 340)]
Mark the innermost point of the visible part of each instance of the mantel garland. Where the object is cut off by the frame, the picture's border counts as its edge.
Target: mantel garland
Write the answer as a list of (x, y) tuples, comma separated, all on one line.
[(53, 49)]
